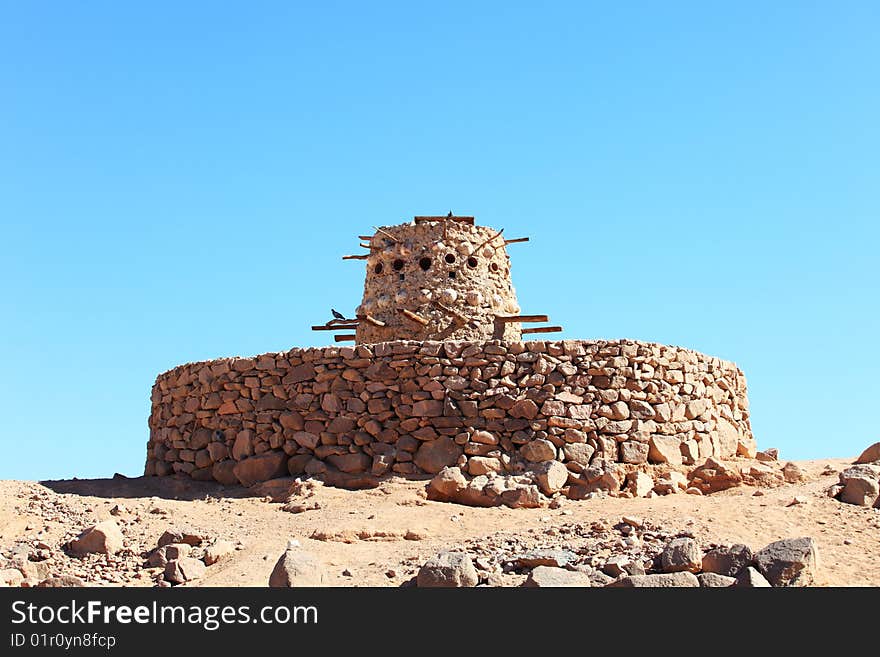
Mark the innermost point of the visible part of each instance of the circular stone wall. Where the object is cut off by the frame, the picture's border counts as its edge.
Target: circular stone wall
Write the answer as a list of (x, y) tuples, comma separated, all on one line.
[(414, 407)]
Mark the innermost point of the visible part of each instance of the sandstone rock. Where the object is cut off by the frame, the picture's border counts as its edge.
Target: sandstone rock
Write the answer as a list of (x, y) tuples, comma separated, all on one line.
[(767, 456), (713, 580), (11, 577), (296, 464), (664, 449), (671, 482), (291, 420), (305, 439), (578, 452), (243, 445), (621, 564), (793, 473), (728, 561), (105, 538), (524, 408), (870, 455), (694, 409), (269, 465), (181, 534), (681, 554), (522, 496), (546, 557), (217, 551), (834, 491), (639, 484), (277, 490), (789, 562), (427, 408), (358, 462), (600, 476), (551, 476), (435, 455), (32, 570), (297, 568), (446, 484), (859, 490), (746, 447), (538, 450), (480, 465), (448, 569), (185, 569), (484, 438), (761, 474), (550, 577), (664, 580), (633, 452), (714, 476), (62, 581), (224, 473), (217, 451), (641, 410), (348, 480), (749, 578)]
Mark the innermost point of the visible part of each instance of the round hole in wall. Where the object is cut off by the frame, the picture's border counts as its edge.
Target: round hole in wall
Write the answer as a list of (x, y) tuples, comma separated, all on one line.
[(378, 268), (493, 266), (472, 262), (425, 263), (397, 264), (450, 258)]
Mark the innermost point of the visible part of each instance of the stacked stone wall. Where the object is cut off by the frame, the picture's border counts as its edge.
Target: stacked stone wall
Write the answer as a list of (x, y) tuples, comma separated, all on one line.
[(412, 408)]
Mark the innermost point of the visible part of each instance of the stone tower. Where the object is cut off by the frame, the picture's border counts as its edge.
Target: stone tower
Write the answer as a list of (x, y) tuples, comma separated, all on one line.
[(437, 278)]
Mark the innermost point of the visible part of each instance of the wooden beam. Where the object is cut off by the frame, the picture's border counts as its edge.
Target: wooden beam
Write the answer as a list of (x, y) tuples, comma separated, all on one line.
[(365, 246), (423, 218), (413, 316), (372, 320), (461, 319), (542, 329), (345, 337), (365, 237), (388, 235), (518, 239), (335, 327), (523, 318), (355, 257)]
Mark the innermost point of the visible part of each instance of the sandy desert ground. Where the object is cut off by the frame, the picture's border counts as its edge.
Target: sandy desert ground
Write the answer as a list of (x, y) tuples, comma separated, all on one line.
[(380, 536)]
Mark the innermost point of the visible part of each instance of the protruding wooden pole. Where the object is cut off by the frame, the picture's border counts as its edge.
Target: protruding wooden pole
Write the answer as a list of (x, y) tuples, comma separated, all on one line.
[(372, 320), (355, 257), (498, 234), (517, 240), (413, 316), (542, 329), (335, 327), (388, 235), (522, 318), (345, 337)]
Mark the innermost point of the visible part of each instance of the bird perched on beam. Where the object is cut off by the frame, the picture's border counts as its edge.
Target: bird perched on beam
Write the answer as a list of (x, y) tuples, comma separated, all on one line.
[(449, 216), (337, 315)]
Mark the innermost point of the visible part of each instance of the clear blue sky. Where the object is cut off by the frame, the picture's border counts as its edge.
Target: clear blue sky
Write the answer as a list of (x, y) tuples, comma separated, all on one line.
[(178, 182)]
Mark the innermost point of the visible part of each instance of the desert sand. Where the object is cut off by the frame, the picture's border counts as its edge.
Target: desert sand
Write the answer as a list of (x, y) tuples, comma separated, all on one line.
[(380, 536)]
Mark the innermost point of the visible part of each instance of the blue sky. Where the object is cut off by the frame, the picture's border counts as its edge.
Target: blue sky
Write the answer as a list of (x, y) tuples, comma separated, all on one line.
[(178, 182)]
